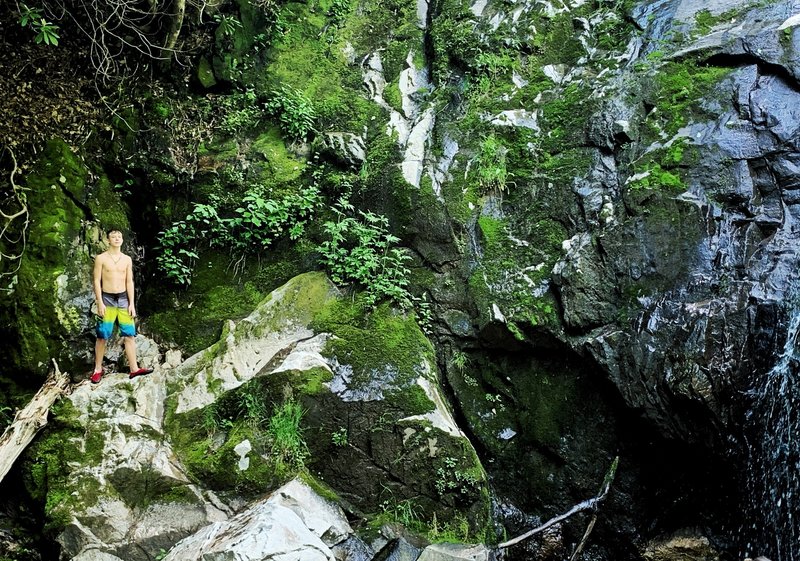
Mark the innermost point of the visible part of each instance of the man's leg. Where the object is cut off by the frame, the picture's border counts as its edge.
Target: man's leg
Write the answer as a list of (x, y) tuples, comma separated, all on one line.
[(99, 353), (130, 353), (103, 332), (128, 331)]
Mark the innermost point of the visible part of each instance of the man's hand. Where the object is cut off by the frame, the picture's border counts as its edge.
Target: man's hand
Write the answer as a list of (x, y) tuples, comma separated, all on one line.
[(132, 310), (101, 309)]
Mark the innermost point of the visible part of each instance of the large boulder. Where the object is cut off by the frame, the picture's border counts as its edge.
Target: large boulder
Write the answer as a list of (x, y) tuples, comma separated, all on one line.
[(293, 522), (365, 383)]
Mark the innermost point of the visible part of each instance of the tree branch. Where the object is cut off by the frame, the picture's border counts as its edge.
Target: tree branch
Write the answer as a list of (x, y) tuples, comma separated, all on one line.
[(590, 504), (30, 420)]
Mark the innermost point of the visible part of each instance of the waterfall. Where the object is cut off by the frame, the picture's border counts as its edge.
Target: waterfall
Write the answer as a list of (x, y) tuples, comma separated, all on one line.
[(772, 526)]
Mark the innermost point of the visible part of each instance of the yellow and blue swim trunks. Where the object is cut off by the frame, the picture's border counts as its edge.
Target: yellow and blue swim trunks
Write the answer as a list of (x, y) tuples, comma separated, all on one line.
[(116, 312)]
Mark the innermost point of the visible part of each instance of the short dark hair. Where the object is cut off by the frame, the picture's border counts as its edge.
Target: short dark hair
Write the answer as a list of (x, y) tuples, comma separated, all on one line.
[(113, 228)]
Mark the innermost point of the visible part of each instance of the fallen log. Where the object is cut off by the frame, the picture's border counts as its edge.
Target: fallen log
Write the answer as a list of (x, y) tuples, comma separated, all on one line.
[(30, 420), (590, 504)]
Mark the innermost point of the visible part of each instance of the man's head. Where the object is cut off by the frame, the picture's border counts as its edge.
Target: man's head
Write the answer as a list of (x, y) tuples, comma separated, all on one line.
[(114, 236)]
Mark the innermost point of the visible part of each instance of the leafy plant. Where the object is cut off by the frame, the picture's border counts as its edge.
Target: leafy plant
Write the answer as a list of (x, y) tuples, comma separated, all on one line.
[(228, 24), (241, 111), (254, 408), (406, 512), (46, 32), (491, 165), (288, 449), (460, 360), (362, 250), (340, 438), (250, 228), (449, 478), (295, 111), (338, 11), (6, 415)]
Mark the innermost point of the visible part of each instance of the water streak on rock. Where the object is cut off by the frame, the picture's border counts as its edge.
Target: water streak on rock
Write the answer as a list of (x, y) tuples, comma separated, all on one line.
[(773, 478)]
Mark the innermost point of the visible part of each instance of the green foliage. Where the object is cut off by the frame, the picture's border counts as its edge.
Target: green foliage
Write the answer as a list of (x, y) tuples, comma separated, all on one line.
[(338, 12), (228, 24), (660, 169), (460, 360), (241, 111), (288, 448), (6, 416), (46, 32), (362, 250), (251, 227), (491, 166), (449, 477), (295, 111), (340, 438), (411, 515), (405, 512)]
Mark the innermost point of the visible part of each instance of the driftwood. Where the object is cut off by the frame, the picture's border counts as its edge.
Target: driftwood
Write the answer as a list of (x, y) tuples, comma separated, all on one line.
[(30, 420), (591, 504)]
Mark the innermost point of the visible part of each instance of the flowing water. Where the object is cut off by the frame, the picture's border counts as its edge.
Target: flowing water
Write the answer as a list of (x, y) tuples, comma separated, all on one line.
[(773, 477)]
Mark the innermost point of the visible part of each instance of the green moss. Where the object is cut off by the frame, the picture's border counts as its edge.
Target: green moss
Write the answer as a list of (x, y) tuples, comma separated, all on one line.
[(205, 439), (48, 464), (281, 166), (663, 168), (412, 400), (393, 96), (679, 87), (404, 348), (193, 318), (320, 488), (491, 282), (302, 59), (312, 382), (43, 326), (205, 73), (107, 205)]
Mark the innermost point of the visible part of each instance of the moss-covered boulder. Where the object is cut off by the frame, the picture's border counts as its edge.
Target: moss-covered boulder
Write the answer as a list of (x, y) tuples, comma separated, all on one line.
[(362, 388)]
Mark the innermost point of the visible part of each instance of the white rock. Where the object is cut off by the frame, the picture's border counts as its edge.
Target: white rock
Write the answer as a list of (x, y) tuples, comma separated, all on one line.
[(306, 355), (454, 552), (414, 156), (293, 523), (440, 417), (278, 323), (243, 449)]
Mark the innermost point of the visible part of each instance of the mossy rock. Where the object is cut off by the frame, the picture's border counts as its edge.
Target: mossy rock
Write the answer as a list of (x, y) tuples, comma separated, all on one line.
[(47, 466), (370, 378), (51, 302), (205, 73)]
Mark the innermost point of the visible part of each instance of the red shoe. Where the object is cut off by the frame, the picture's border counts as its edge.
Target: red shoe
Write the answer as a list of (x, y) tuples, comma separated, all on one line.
[(96, 377), (140, 372)]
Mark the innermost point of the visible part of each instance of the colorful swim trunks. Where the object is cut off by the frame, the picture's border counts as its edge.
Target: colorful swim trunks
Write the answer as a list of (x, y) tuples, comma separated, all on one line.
[(116, 312)]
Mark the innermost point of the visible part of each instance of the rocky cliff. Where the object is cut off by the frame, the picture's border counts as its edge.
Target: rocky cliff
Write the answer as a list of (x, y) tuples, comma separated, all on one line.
[(597, 207)]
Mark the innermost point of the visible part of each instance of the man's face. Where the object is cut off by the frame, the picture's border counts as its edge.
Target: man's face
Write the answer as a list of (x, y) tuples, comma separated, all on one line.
[(115, 239)]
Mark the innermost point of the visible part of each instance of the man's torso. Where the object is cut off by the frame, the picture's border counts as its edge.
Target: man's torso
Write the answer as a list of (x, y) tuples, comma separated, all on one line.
[(114, 269)]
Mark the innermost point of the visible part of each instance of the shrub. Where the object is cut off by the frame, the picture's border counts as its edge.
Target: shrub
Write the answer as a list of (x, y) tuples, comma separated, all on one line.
[(361, 250)]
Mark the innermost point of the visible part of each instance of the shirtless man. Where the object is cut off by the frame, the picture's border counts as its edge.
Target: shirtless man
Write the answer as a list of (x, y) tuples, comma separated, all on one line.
[(113, 292)]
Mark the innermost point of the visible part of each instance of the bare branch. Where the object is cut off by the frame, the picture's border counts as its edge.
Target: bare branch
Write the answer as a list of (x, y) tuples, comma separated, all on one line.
[(18, 219), (590, 504)]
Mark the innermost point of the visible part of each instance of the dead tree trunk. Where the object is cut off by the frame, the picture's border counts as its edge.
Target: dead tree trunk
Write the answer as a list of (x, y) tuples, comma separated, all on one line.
[(30, 420)]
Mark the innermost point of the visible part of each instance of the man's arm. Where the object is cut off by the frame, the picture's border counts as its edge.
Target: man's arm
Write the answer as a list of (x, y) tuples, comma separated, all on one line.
[(97, 281), (129, 287)]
